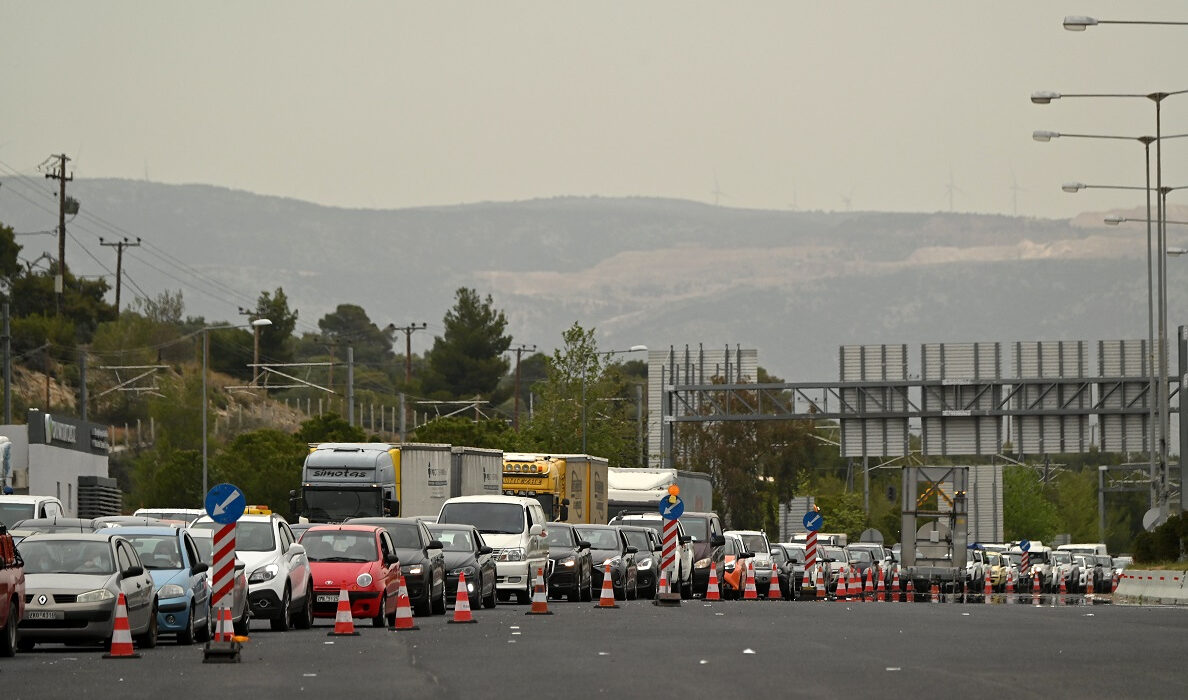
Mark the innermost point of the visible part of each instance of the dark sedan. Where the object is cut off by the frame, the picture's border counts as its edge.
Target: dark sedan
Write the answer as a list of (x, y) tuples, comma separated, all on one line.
[(608, 544), (467, 553), (571, 563), (421, 562), (789, 561), (647, 558)]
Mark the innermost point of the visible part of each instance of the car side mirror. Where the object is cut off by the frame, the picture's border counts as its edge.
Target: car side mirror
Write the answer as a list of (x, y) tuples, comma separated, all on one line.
[(536, 531), (686, 539), (392, 507), (391, 559), (485, 550), (658, 548), (717, 541), (583, 545), (631, 550), (746, 555), (435, 544), (296, 548), (133, 570), (564, 512), (199, 568)]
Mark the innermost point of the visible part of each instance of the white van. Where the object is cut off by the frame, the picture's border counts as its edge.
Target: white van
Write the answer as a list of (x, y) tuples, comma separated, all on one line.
[(1085, 548), (514, 527), (14, 508)]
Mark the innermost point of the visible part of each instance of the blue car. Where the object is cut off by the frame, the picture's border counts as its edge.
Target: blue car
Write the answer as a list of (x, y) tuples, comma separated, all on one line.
[(179, 579)]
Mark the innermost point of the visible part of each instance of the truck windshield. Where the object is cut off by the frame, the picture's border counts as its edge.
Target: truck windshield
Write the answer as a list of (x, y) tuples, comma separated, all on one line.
[(14, 512), (489, 518), (337, 505)]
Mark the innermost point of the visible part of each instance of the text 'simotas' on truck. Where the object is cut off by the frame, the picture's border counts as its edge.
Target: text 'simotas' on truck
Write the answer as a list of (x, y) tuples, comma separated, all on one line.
[(353, 480)]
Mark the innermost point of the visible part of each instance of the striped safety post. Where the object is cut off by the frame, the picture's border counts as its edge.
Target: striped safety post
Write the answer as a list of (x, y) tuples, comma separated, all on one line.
[(224, 564), (669, 539)]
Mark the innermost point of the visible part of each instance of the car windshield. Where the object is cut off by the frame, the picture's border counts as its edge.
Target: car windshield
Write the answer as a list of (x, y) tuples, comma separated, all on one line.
[(1061, 557), (559, 536), (250, 536), (340, 545), (860, 555), (637, 539), (601, 537), (755, 543), (337, 505), (454, 539), (489, 518), (834, 553), (794, 554), (655, 524), (1013, 558), (157, 551), (698, 528), (15, 512), (994, 558), (67, 557)]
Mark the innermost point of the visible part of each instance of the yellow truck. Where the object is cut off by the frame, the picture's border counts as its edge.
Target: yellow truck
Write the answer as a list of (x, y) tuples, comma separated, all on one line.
[(572, 488)]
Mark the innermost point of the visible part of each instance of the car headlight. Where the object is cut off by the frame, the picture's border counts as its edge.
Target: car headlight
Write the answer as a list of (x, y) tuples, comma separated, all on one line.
[(364, 580), (171, 590), (702, 563), (95, 596), (264, 573), (511, 554), (644, 565), (569, 563), (613, 561), (468, 570), (415, 570)]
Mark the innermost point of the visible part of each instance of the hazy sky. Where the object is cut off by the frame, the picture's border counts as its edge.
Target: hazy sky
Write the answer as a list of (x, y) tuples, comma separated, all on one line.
[(787, 104)]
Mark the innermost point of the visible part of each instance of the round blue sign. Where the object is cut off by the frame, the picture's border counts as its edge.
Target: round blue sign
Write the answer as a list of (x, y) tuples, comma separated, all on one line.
[(813, 521), (225, 503), (671, 511), (1025, 545)]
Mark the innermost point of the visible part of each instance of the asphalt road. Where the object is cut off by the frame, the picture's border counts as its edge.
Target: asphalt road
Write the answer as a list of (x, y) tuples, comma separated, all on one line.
[(737, 649)]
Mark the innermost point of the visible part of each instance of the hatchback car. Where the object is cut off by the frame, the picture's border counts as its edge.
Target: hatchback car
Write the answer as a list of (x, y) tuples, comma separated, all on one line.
[(467, 553), (756, 542), (241, 612), (789, 560), (358, 559), (647, 558), (571, 563), (179, 577), (421, 561), (73, 583), (608, 545)]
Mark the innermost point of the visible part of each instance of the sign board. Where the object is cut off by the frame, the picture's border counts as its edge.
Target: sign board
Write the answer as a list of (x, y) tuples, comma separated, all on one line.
[(671, 511), (1025, 545), (871, 535), (225, 503), (813, 521)]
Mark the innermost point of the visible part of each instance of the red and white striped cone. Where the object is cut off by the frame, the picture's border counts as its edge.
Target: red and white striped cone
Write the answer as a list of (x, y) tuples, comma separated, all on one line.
[(1010, 587), (987, 590), (805, 583), (895, 590), (1063, 585), (935, 592), (607, 599), (855, 583), (462, 602), (121, 634), (880, 589), (344, 623), (662, 586), (404, 613), (749, 592), (773, 590), (1113, 584), (1035, 588), (911, 591), (820, 584), (868, 589), (1088, 583), (711, 591), (540, 599), (224, 628)]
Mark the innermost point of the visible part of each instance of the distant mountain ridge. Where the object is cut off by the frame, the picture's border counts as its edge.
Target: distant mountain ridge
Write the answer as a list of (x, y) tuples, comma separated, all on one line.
[(795, 285)]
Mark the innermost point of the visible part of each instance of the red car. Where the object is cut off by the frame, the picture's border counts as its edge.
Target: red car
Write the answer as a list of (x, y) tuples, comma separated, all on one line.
[(360, 559)]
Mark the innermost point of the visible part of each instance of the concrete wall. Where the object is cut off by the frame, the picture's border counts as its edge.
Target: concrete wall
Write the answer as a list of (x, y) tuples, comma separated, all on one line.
[(1152, 587)]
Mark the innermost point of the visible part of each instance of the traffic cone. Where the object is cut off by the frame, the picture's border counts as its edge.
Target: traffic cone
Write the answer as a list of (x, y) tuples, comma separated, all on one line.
[(773, 590), (855, 583), (1010, 587), (121, 634), (711, 591), (911, 591), (749, 592), (344, 623), (223, 633), (540, 600), (1113, 584), (462, 602), (987, 591), (1035, 588), (880, 589), (607, 599), (868, 590), (935, 592), (404, 613), (895, 592), (1088, 583), (821, 592), (661, 587), (1063, 585)]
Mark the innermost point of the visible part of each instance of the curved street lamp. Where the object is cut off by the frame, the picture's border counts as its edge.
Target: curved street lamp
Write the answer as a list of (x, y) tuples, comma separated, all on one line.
[(1079, 23)]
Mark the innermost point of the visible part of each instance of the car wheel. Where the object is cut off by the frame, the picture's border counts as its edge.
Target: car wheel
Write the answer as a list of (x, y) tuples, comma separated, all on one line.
[(381, 618), (242, 625), (588, 589), (148, 640), (439, 603), (503, 596), (525, 596), (489, 600), (187, 635), (304, 618), (280, 623), (9, 640), (25, 645), (633, 593), (203, 632)]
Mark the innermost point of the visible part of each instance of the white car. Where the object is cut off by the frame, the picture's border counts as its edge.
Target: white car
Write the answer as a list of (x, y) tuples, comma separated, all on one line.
[(684, 577), (280, 586), (240, 610)]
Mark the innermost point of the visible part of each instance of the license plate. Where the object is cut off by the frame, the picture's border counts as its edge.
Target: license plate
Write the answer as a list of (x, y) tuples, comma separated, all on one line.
[(44, 615), (331, 598)]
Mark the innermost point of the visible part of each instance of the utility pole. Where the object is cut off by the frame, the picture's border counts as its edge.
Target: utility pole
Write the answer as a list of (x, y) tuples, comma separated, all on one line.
[(119, 246), (408, 331), (62, 178), (7, 339), (516, 413)]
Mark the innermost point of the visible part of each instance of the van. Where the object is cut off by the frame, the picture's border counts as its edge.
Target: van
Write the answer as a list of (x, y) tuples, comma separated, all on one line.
[(514, 527), (15, 508), (1096, 548)]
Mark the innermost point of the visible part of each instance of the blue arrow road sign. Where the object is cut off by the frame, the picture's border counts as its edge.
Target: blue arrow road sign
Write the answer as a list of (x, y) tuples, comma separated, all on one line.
[(225, 503), (1025, 545), (671, 511), (813, 520)]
